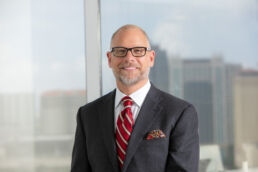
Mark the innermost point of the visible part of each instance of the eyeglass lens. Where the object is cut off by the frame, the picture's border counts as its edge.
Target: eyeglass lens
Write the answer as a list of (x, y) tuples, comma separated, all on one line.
[(122, 51)]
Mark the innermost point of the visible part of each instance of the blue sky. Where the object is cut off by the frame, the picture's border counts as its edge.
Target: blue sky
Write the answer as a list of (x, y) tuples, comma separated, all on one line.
[(42, 42), (186, 28), (191, 29)]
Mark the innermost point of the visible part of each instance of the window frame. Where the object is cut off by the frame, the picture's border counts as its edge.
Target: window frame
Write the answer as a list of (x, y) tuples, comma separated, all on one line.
[(93, 49)]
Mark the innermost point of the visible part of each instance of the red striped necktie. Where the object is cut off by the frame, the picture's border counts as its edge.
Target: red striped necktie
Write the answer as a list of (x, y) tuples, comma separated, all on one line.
[(124, 129)]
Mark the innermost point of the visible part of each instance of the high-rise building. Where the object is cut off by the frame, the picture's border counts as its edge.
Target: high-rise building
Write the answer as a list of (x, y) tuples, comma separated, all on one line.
[(197, 89), (175, 76), (159, 72), (16, 131), (203, 81), (231, 71), (16, 114), (55, 130), (58, 111), (246, 118), (167, 72), (208, 84)]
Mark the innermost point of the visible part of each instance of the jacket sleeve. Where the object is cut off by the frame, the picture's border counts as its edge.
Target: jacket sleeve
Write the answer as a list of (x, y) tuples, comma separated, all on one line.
[(183, 153), (80, 162)]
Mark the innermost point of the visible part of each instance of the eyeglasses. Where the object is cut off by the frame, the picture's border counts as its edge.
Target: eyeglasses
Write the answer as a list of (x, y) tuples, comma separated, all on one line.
[(136, 51)]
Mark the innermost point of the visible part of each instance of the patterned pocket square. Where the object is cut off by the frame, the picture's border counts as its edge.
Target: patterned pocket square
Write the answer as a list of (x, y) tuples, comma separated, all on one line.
[(155, 134)]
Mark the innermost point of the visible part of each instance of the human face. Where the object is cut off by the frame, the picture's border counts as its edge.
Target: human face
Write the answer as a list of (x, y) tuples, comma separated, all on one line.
[(130, 70)]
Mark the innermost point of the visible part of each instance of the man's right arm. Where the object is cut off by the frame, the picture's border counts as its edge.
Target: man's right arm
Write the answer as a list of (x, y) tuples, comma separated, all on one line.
[(80, 162)]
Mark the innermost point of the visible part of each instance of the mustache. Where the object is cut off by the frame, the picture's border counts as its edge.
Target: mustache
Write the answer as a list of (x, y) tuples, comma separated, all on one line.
[(129, 65)]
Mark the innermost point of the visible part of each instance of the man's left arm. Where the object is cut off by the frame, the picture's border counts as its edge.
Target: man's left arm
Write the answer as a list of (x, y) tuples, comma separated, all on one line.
[(184, 143)]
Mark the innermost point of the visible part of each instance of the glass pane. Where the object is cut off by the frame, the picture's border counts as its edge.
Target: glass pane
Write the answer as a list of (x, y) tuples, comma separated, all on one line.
[(42, 83), (206, 53)]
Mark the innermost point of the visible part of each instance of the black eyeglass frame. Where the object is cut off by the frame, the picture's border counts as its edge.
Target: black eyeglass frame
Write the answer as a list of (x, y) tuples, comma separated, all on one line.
[(130, 49)]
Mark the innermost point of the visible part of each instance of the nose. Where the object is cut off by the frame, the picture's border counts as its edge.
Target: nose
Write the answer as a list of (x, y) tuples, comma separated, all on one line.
[(129, 56)]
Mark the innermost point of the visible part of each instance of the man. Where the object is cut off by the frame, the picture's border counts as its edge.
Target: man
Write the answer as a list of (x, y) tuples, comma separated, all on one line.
[(136, 127)]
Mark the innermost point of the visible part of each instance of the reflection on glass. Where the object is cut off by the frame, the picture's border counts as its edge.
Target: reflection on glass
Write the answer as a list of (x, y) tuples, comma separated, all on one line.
[(205, 53), (42, 83)]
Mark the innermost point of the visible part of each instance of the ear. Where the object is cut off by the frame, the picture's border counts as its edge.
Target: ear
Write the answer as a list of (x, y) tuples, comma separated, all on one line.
[(152, 58), (109, 58)]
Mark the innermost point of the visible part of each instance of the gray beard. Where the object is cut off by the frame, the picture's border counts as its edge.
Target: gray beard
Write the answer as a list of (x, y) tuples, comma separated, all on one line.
[(130, 82)]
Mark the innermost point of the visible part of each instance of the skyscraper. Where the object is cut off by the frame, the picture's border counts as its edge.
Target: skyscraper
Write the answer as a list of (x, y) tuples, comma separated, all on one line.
[(55, 129), (198, 89), (16, 131), (246, 118), (231, 71), (208, 84), (159, 74), (175, 75), (58, 111)]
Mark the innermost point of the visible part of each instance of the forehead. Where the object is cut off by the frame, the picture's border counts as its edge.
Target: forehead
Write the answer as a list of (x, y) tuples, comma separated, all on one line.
[(130, 38)]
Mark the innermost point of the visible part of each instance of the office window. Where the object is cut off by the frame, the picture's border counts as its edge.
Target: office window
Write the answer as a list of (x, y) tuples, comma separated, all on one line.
[(206, 53), (42, 83)]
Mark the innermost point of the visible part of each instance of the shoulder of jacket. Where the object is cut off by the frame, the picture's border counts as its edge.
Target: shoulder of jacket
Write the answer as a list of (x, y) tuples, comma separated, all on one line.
[(95, 103), (169, 99)]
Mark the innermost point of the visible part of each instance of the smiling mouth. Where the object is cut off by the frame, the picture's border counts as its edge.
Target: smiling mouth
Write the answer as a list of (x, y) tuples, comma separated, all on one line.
[(129, 68)]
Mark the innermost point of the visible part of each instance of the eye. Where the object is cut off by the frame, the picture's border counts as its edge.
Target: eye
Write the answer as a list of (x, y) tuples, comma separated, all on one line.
[(120, 51), (138, 50)]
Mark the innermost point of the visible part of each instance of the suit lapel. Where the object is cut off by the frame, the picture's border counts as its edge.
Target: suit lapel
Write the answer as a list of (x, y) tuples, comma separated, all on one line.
[(106, 118), (149, 110)]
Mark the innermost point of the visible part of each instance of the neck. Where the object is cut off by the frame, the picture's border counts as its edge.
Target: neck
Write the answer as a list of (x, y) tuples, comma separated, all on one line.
[(127, 90)]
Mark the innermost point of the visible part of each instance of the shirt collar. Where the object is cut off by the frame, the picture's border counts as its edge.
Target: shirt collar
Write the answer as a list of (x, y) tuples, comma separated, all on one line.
[(137, 96)]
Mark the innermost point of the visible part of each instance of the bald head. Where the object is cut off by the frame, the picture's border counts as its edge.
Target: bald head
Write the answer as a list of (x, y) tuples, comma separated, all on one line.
[(129, 28)]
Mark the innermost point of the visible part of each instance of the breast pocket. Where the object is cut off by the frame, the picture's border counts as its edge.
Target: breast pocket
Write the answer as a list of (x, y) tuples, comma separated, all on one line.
[(152, 154), (154, 147)]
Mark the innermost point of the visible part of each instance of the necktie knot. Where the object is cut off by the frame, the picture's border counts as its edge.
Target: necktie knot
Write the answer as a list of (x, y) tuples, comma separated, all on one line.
[(127, 101)]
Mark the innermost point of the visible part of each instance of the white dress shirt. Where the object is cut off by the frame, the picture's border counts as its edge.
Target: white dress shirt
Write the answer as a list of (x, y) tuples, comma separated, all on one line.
[(137, 97)]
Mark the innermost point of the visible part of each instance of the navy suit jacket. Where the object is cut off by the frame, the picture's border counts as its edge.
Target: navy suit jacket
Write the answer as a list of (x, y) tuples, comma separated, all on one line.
[(95, 149)]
